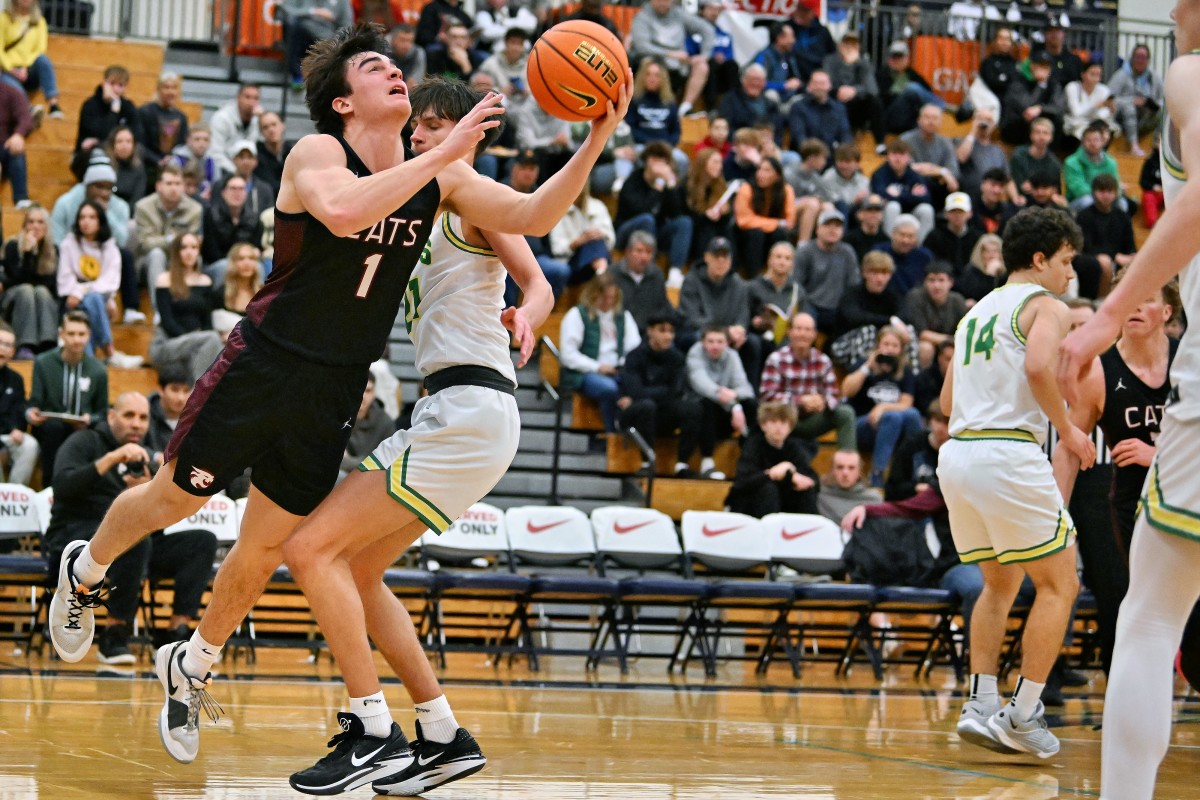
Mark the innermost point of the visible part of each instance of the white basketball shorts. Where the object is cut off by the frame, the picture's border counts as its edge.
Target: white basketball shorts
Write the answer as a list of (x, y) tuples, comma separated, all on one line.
[(1002, 498), (1171, 497), (461, 442)]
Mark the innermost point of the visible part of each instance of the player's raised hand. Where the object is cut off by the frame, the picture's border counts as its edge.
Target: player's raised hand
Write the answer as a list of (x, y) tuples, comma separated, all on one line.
[(514, 319), (470, 130), (1079, 349), (605, 126)]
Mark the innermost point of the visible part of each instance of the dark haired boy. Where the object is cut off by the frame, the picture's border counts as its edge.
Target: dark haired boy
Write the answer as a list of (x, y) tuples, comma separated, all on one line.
[(352, 217), (1107, 235), (1006, 512)]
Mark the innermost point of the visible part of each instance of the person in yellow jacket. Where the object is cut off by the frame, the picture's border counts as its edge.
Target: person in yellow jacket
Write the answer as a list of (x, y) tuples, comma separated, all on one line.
[(23, 58)]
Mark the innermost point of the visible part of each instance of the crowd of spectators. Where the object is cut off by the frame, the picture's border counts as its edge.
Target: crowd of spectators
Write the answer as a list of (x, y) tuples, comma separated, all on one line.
[(814, 295)]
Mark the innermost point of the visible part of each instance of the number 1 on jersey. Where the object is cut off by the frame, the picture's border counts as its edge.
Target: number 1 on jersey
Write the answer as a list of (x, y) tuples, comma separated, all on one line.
[(986, 341), (371, 264)]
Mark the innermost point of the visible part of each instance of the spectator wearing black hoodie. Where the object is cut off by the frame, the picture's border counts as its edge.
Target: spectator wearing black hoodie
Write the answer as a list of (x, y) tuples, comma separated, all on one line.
[(654, 200), (773, 473), (653, 387), (104, 111)]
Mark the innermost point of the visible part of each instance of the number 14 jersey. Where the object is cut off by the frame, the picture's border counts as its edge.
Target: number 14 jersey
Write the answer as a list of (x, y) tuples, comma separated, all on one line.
[(991, 394)]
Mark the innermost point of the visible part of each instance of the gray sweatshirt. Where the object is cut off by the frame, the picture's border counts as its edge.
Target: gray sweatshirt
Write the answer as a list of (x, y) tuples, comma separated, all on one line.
[(834, 502), (825, 276), (706, 376)]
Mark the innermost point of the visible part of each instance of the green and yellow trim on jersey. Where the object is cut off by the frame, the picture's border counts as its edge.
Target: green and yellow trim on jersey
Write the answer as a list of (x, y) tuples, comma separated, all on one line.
[(456, 240), (405, 495), (1064, 532), (1168, 518), (997, 434), (1016, 329)]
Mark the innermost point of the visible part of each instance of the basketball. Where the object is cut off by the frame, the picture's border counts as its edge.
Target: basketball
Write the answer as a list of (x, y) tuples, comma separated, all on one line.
[(575, 68)]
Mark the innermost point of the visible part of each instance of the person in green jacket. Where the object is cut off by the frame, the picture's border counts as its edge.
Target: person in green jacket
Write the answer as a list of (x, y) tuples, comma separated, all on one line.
[(66, 381), (1090, 160)]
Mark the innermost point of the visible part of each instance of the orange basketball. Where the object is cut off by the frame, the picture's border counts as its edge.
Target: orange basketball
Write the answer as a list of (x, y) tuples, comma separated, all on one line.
[(575, 68)]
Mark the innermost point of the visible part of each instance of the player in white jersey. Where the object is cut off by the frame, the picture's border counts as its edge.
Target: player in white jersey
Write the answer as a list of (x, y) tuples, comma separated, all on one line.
[(462, 439), (1006, 513), (1164, 581)]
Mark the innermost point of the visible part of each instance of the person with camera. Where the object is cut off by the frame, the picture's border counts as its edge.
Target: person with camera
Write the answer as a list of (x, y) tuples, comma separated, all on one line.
[(94, 465), (977, 153), (880, 389)]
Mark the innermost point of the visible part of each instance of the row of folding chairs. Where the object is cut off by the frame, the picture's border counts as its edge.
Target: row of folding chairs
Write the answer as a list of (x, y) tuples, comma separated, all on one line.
[(559, 581)]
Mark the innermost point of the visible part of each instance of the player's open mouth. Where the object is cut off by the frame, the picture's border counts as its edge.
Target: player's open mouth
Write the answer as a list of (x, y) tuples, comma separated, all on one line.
[(397, 90)]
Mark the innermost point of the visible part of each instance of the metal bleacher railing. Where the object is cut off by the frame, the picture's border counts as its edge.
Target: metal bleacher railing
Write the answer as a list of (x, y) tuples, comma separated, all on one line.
[(947, 43)]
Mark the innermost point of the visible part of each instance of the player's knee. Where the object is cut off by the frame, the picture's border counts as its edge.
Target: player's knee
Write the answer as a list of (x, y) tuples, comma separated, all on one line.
[(301, 556)]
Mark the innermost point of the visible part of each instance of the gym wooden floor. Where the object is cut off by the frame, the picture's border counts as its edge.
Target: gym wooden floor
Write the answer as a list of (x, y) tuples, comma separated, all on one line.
[(66, 732)]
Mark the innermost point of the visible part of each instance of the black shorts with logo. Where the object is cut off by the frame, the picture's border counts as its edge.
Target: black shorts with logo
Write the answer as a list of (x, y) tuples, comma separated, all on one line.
[(259, 406)]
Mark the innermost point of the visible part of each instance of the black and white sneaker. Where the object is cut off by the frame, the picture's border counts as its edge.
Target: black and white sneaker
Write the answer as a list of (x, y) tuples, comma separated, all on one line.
[(179, 719), (434, 764), (356, 760)]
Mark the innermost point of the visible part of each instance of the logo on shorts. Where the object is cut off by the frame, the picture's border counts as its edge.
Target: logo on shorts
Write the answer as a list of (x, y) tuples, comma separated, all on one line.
[(201, 479)]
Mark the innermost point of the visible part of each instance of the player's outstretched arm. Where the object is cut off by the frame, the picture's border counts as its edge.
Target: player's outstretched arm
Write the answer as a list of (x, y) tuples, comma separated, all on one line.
[(537, 297), (1084, 414), (1047, 322), (316, 180), (487, 205), (1173, 243)]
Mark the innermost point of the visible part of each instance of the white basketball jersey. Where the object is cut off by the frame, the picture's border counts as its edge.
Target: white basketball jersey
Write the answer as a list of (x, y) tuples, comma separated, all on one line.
[(453, 303), (991, 395), (1185, 369)]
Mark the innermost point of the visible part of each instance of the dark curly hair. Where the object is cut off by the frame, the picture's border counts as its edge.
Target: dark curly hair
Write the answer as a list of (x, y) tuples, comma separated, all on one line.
[(1038, 230), (324, 70)]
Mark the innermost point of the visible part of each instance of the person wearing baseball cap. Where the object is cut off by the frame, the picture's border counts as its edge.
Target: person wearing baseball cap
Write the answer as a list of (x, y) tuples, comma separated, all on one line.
[(952, 240), (1067, 66), (869, 231), (903, 90), (825, 266), (712, 293)]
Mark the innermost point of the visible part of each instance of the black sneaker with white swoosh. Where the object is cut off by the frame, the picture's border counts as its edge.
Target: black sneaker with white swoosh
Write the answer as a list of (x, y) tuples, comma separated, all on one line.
[(356, 760), (434, 764)]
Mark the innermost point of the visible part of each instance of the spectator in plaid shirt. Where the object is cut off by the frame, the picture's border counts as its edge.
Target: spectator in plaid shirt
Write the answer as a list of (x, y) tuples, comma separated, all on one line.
[(803, 376)]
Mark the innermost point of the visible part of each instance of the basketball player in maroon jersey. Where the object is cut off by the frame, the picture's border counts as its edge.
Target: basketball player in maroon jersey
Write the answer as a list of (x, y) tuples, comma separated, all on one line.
[(354, 211)]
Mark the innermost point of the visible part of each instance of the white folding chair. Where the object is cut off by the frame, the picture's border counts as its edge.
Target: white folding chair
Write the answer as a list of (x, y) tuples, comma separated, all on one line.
[(805, 542)]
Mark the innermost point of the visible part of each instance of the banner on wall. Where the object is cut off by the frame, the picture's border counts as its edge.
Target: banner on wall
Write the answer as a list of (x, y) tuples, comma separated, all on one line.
[(948, 64)]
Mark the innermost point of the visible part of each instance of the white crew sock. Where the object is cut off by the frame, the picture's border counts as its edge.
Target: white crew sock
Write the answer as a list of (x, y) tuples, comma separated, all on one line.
[(437, 720), (89, 571), (199, 655), (707, 464), (1026, 698), (983, 688), (374, 713)]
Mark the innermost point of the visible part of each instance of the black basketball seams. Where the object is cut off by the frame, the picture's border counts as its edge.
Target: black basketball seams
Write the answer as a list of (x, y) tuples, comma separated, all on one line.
[(535, 62), (587, 74)]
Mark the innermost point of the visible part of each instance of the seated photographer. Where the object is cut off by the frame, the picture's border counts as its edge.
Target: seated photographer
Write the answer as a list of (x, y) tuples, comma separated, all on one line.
[(880, 389), (95, 465)]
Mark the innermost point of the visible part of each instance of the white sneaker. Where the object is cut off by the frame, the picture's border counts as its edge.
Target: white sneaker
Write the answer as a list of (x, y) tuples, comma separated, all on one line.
[(675, 278), (125, 361), (973, 727), (179, 720), (72, 620), (133, 316), (1032, 736)]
